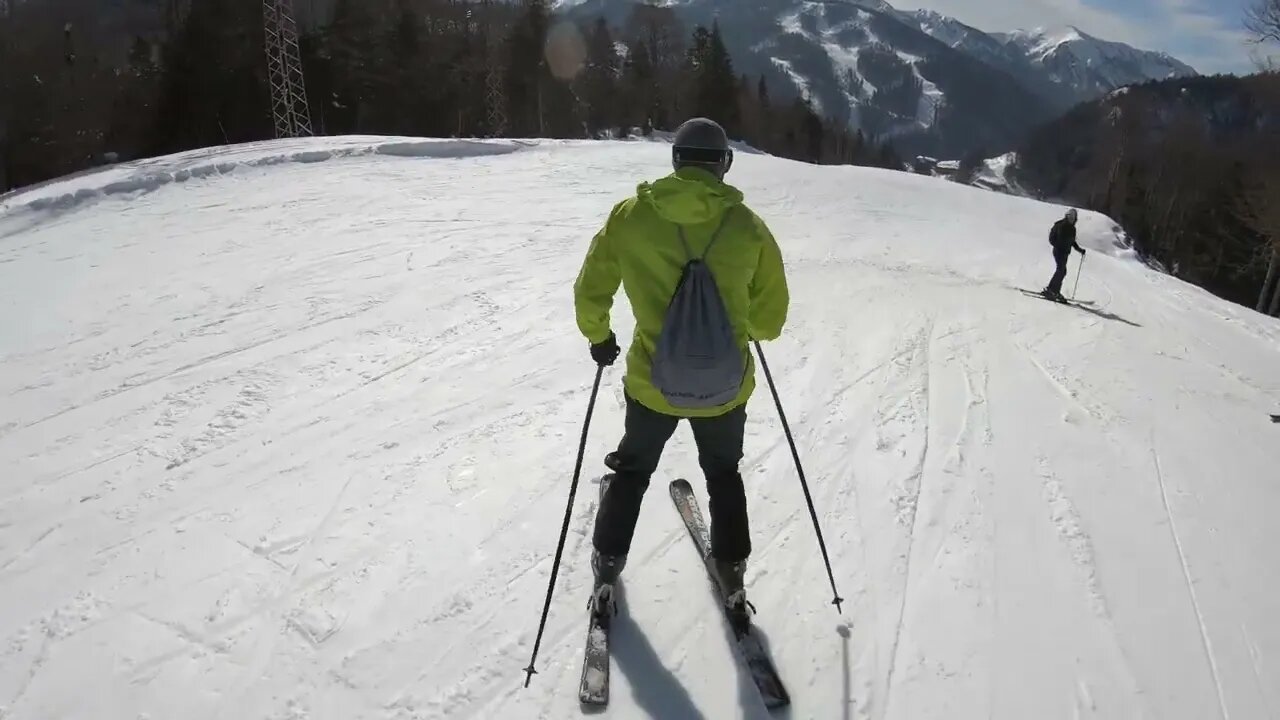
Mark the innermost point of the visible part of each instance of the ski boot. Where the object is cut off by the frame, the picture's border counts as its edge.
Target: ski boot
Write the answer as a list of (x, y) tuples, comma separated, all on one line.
[(607, 569), (613, 462), (730, 576)]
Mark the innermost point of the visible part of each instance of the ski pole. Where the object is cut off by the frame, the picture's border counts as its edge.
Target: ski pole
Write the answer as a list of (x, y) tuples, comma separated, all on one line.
[(564, 531), (1079, 269), (836, 599)]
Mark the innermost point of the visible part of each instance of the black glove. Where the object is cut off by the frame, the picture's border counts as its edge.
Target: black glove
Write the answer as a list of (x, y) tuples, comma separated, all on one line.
[(606, 352), (1081, 251)]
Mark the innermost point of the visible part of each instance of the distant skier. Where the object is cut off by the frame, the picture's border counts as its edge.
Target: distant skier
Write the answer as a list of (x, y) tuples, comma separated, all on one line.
[(652, 244), (1063, 239)]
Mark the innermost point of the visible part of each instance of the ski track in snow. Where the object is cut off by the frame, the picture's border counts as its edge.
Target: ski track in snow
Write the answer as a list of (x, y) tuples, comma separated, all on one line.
[(1190, 584), (908, 502), (291, 439), (1066, 519)]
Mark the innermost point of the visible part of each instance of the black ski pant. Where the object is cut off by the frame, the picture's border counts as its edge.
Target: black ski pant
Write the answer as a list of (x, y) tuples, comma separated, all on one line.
[(1055, 283), (719, 441)]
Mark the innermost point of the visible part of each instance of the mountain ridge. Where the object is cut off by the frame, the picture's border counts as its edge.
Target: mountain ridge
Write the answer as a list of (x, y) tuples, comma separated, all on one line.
[(1090, 65), (927, 81)]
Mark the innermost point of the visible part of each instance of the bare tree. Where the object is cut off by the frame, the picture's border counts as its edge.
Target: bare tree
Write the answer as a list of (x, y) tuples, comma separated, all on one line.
[(1262, 18), (1260, 211), (6, 94), (1274, 310), (1267, 283)]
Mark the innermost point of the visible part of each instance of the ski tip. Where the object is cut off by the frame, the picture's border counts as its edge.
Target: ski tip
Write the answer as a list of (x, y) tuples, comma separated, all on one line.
[(777, 703), (681, 484)]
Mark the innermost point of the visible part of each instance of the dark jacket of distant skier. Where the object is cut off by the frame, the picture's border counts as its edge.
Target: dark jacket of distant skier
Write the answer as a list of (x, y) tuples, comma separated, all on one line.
[(1063, 239), (1063, 236)]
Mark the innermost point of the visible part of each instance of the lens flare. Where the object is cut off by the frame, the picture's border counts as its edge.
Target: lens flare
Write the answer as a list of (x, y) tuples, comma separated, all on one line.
[(566, 51)]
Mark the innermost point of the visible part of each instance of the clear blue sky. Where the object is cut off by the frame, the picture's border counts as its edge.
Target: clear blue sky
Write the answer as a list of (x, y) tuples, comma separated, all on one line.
[(1207, 34)]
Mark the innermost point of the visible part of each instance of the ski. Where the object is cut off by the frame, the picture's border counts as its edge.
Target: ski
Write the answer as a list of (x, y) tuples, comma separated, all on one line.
[(754, 656), (593, 688), (1042, 296)]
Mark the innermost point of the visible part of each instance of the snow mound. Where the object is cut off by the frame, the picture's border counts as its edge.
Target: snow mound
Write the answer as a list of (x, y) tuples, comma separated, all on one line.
[(995, 175), (151, 174)]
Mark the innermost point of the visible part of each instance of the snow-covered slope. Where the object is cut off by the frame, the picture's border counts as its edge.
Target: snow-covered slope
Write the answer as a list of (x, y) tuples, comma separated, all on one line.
[(293, 440), (1093, 67)]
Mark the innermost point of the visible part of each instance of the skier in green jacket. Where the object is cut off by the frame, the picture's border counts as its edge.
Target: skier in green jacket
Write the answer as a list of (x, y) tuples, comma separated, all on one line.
[(643, 247)]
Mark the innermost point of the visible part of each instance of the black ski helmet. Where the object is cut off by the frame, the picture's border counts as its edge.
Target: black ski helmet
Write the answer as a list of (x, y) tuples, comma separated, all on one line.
[(701, 142)]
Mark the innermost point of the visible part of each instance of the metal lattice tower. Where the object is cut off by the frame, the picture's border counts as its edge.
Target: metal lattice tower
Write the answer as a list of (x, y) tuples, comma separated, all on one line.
[(497, 116), (284, 70), (493, 99)]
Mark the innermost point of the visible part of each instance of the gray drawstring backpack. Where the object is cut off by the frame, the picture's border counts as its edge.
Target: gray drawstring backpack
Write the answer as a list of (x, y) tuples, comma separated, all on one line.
[(697, 362)]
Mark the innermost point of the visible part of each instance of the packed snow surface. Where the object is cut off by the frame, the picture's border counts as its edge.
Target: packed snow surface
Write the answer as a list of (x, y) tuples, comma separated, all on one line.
[(288, 439)]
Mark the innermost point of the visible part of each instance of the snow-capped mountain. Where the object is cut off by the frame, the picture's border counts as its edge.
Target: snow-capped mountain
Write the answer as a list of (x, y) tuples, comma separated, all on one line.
[(930, 82), (994, 51), (862, 61), (962, 37), (1093, 67), (1066, 64)]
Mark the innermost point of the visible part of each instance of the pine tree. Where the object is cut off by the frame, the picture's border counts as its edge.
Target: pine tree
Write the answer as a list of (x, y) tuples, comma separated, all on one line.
[(133, 112), (359, 66), (470, 57), (811, 132), (8, 93), (970, 164), (711, 87), (640, 88), (767, 132), (749, 112), (690, 94), (410, 65), (600, 79), (889, 158), (213, 91), (698, 56), (658, 31), (527, 74), (721, 91)]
